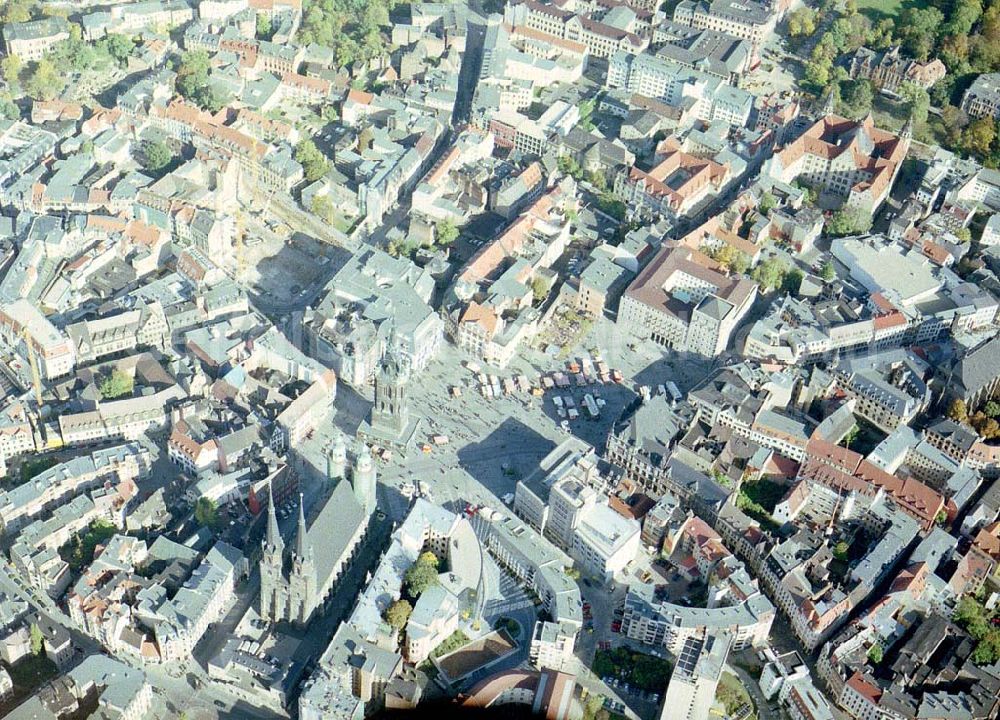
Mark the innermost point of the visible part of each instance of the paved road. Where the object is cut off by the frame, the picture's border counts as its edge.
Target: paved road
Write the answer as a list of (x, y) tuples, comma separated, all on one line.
[(764, 711), (468, 76), (173, 693)]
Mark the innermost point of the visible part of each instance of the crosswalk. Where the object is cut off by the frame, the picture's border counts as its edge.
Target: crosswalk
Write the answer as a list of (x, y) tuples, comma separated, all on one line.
[(510, 598), (500, 606)]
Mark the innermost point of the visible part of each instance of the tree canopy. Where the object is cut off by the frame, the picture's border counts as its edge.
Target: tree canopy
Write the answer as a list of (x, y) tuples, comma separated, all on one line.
[(10, 69), (802, 22), (856, 98), (37, 640), (264, 29), (192, 81), (730, 258), (323, 207), (158, 156), (351, 27), (44, 82), (314, 163), (116, 384), (849, 221), (770, 273), (875, 653), (14, 11), (422, 574), (445, 232), (206, 513), (958, 411), (398, 613), (980, 623)]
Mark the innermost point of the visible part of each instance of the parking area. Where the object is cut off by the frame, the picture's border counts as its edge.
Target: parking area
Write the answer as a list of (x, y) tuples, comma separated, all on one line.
[(283, 266)]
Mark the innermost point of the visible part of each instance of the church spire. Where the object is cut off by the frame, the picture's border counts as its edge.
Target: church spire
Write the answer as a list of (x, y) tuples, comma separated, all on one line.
[(907, 132), (830, 104), (302, 548), (273, 534)]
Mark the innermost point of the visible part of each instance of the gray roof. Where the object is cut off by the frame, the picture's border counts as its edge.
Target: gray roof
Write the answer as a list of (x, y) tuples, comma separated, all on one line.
[(979, 367), (707, 50), (333, 530), (35, 29)]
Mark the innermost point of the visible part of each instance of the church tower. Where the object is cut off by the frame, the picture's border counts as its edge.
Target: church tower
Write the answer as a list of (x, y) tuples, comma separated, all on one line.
[(830, 105), (363, 478), (272, 578), (906, 134), (336, 459), (302, 581), (390, 415)]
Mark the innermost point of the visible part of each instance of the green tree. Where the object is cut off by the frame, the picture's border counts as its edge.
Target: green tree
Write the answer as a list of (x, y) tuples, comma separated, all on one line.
[(8, 110), (116, 384), (120, 47), (848, 33), (648, 671), (992, 409), (963, 16), (206, 513), (958, 411), (322, 207), (398, 613), (770, 273), (881, 35), (37, 640), (314, 163), (192, 72), (729, 257), (17, 11), (817, 74), (767, 202), (539, 289), (849, 221), (954, 121), (792, 281), (192, 81), (875, 653), (851, 435), (978, 136), (10, 68), (954, 53), (352, 29), (44, 81), (828, 272), (918, 102), (593, 706), (419, 577), (841, 549), (445, 232), (158, 156), (856, 97), (610, 205), (569, 166), (918, 29), (802, 22), (598, 180), (264, 28), (982, 626)]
